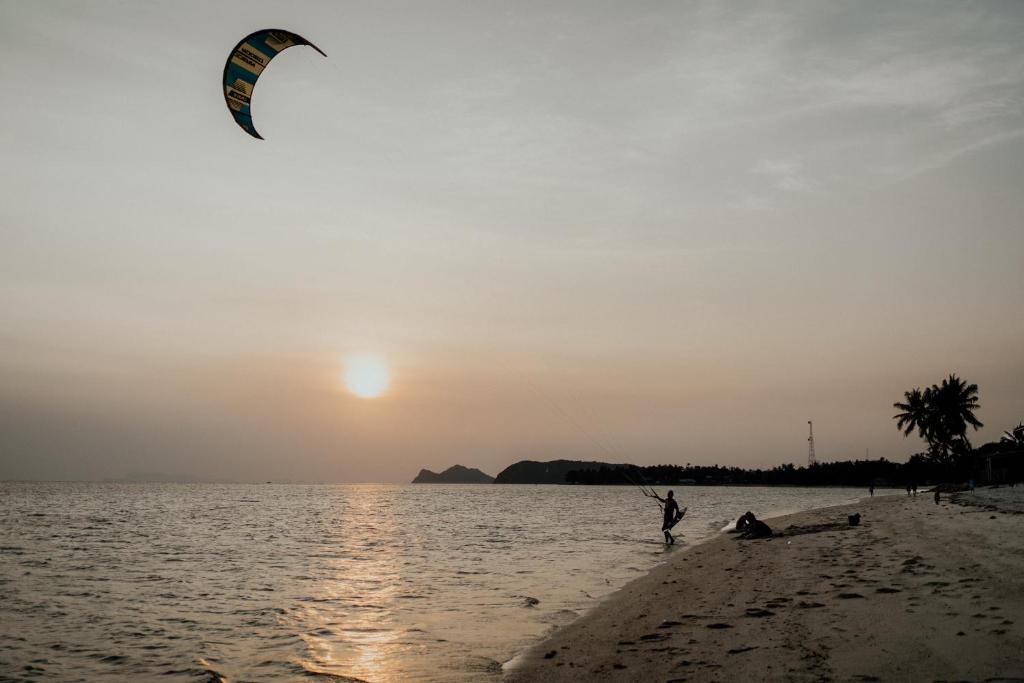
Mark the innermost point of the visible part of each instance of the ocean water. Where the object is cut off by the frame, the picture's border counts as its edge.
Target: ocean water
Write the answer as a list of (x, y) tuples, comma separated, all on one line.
[(107, 581)]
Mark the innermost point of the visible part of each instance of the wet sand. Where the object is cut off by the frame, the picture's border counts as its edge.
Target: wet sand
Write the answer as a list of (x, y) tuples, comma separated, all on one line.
[(916, 592)]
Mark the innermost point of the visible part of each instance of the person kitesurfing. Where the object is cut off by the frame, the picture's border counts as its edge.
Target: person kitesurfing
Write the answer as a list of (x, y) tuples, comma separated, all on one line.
[(672, 515), (669, 506)]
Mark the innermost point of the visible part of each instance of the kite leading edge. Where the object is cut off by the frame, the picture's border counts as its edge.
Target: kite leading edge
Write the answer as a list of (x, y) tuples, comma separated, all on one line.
[(246, 62)]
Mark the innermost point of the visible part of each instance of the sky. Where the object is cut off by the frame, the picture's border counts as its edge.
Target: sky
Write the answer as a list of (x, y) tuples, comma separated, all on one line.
[(635, 232)]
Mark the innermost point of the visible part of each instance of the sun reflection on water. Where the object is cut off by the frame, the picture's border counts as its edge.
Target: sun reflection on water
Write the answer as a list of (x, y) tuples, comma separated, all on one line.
[(351, 626)]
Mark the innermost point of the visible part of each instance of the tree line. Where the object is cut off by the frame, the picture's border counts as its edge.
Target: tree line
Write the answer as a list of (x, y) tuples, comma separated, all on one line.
[(864, 473), (941, 415)]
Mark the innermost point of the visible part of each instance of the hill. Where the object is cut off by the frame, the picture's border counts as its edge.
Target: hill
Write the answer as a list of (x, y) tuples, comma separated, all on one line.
[(456, 474), (553, 472)]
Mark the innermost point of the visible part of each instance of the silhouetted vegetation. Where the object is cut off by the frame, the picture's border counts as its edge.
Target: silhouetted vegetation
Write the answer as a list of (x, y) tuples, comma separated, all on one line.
[(941, 415), (1002, 461), (1015, 436), (995, 462), (846, 473)]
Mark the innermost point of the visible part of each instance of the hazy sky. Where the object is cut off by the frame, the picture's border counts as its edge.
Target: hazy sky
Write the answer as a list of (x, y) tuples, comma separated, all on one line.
[(647, 232)]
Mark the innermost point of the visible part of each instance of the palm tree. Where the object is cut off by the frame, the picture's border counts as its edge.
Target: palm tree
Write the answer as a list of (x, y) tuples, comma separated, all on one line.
[(954, 403), (941, 415), (916, 412), (1014, 436)]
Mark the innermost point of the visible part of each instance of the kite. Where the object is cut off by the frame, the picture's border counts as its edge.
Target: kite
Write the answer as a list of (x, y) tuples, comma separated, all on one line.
[(246, 62)]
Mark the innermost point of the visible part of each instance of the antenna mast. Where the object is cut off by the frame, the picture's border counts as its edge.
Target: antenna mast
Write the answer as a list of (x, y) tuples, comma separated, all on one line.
[(812, 460)]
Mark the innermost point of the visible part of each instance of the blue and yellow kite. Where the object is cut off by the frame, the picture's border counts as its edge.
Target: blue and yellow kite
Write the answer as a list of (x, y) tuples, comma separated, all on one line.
[(247, 61)]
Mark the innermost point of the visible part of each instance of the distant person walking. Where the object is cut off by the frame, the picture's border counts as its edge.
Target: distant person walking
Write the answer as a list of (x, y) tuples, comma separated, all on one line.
[(915, 490), (871, 490), (936, 496), (672, 516)]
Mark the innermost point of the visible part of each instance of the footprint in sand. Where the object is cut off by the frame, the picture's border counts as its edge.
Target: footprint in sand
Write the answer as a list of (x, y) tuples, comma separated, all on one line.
[(653, 637)]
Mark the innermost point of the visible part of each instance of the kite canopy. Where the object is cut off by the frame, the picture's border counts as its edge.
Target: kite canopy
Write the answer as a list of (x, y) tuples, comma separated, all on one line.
[(246, 62)]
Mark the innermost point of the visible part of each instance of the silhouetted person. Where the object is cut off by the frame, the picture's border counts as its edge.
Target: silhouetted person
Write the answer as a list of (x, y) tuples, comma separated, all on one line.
[(936, 496), (871, 490), (672, 516), (744, 521), (760, 530), (751, 527), (915, 490), (908, 490)]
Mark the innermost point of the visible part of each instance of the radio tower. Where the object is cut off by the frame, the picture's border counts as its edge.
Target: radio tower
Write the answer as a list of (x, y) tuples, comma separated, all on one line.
[(811, 459)]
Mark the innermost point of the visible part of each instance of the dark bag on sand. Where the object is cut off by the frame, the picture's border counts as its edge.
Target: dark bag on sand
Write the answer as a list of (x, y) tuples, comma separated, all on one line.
[(854, 519)]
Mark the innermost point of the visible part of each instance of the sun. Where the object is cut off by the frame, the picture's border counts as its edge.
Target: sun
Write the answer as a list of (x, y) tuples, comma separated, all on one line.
[(366, 375)]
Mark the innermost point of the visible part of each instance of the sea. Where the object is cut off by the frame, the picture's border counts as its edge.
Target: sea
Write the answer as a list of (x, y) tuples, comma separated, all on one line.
[(284, 582)]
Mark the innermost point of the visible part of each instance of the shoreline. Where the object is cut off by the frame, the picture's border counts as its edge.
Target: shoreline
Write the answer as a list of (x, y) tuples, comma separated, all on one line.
[(523, 654), (915, 591)]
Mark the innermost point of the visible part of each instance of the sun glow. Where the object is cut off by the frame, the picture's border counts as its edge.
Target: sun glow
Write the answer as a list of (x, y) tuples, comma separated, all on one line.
[(366, 375)]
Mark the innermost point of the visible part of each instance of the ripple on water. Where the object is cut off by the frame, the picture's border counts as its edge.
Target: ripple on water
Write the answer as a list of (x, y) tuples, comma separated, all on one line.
[(254, 582)]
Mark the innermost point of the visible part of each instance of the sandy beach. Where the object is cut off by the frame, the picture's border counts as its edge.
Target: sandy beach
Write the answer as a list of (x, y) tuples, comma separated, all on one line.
[(917, 591)]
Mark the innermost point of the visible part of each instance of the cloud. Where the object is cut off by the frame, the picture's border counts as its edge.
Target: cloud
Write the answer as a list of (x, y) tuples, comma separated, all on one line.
[(785, 175)]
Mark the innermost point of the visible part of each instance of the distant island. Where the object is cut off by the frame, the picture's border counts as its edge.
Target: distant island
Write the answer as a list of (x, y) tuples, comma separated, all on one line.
[(551, 472), (456, 474)]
